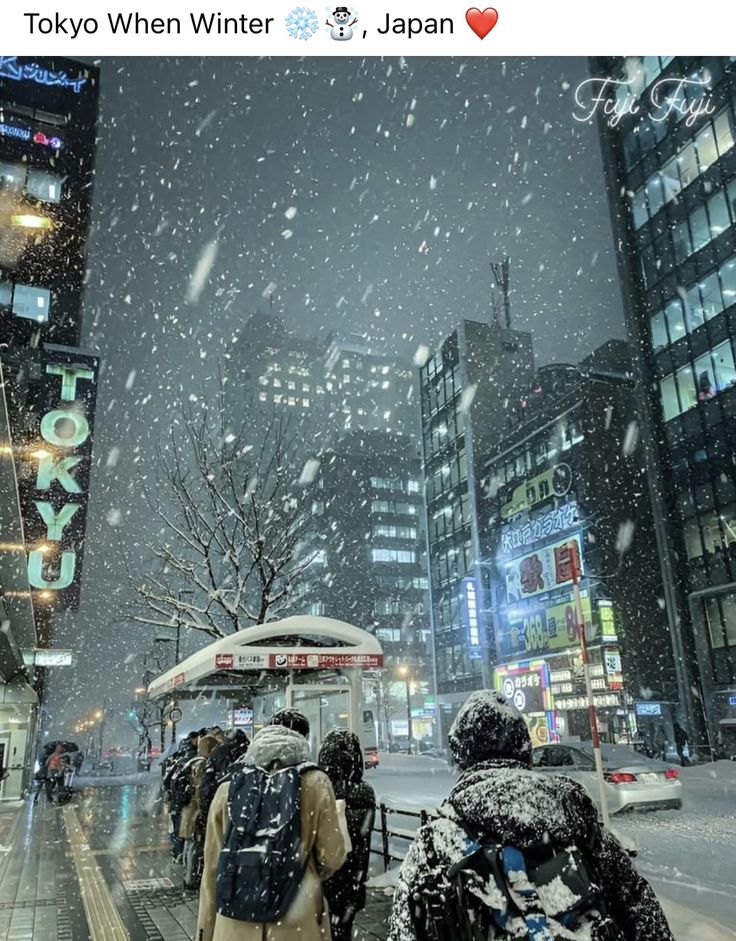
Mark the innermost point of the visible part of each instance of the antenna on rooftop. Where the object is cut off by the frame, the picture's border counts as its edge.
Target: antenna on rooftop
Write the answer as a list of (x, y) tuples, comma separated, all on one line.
[(501, 299)]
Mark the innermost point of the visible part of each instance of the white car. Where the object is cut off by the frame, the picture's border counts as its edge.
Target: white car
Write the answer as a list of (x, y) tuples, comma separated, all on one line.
[(633, 782)]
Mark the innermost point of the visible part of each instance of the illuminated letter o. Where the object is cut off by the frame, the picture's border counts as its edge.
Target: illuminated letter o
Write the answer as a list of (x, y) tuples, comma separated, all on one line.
[(79, 430)]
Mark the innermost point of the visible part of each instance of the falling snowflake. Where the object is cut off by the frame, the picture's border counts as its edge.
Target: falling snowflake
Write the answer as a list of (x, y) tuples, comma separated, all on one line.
[(302, 23)]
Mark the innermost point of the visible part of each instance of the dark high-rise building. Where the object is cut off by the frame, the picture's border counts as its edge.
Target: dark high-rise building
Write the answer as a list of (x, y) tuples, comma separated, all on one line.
[(671, 166), (366, 537), (330, 388), (571, 474), (467, 391), (48, 114)]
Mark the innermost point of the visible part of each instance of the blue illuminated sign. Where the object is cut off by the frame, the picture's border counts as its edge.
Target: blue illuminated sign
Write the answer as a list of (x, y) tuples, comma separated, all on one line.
[(31, 72), (19, 132), (470, 617), (648, 708), (732, 700)]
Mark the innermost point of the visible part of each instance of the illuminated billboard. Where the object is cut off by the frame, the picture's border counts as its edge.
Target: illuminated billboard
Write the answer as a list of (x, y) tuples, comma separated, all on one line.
[(542, 570), (527, 684), (55, 477), (542, 628), (553, 482), (471, 617)]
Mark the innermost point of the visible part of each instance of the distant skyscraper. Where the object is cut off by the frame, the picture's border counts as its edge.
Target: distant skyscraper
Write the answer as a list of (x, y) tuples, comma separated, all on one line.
[(344, 384), (467, 390), (672, 188)]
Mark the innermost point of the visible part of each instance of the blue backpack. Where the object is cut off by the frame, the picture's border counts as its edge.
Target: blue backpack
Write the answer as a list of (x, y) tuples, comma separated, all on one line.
[(496, 892), (260, 867)]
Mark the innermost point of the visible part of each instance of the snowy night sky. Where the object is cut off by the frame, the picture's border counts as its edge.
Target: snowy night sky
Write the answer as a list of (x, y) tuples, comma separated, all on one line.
[(407, 177)]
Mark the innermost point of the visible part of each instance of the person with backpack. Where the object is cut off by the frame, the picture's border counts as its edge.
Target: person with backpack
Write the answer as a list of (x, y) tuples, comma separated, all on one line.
[(175, 788), (515, 854), (191, 778), (273, 835), (218, 769), (341, 758)]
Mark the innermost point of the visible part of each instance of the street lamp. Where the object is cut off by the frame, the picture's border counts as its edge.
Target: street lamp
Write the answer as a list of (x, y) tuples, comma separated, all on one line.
[(403, 672)]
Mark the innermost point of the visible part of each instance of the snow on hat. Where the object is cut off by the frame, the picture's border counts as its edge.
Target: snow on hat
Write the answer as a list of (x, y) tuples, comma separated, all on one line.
[(292, 719), (489, 727)]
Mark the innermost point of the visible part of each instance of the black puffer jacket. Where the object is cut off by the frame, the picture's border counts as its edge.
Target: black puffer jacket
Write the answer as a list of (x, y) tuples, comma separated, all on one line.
[(341, 758), (219, 763)]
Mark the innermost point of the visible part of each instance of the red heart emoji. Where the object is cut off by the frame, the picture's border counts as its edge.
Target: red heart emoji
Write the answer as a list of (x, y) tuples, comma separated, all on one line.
[(481, 21)]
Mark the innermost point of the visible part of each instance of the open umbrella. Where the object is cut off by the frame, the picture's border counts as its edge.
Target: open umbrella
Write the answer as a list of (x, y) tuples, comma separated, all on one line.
[(50, 747)]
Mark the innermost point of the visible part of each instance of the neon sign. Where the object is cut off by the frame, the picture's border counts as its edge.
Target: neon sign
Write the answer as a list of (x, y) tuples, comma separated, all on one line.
[(548, 524), (32, 72), (19, 132), (470, 616), (55, 496)]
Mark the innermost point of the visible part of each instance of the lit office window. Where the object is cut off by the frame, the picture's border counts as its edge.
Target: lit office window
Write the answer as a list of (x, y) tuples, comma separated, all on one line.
[(23, 300), (44, 186)]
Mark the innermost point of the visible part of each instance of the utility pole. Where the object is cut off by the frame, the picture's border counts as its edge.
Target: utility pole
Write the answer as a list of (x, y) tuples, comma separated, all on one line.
[(573, 560)]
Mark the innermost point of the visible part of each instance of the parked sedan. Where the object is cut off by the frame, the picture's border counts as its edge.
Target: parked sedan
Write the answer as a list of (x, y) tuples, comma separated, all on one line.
[(632, 782)]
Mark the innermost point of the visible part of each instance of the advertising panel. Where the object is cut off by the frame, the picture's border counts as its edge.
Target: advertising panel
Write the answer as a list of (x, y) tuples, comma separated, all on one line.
[(527, 685), (612, 665), (471, 617), (542, 570), (516, 538), (553, 482), (541, 628), (55, 476), (324, 661)]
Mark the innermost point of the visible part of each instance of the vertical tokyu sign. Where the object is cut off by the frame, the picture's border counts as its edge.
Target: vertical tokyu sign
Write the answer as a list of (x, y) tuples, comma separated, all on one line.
[(60, 453)]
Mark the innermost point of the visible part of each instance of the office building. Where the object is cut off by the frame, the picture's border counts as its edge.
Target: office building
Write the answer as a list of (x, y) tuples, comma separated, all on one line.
[(671, 174), (570, 477), (48, 115), (366, 537), (468, 387), (329, 388)]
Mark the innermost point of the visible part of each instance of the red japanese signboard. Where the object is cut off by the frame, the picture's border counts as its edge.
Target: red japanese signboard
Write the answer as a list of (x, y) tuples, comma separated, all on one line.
[(224, 661), (324, 661)]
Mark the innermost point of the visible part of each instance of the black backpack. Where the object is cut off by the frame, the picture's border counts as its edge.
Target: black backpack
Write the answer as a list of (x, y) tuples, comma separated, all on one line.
[(181, 791), (260, 867), (499, 892)]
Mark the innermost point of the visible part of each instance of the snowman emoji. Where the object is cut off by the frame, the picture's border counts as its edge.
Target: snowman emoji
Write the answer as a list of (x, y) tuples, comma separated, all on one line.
[(341, 29)]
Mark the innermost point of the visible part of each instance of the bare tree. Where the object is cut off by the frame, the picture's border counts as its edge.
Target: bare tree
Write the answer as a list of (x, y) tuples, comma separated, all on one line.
[(233, 525)]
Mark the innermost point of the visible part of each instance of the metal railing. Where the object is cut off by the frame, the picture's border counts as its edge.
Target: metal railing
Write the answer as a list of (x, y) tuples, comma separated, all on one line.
[(388, 833)]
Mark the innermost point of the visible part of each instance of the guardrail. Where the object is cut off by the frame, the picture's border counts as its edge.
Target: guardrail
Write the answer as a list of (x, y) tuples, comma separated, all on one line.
[(386, 832)]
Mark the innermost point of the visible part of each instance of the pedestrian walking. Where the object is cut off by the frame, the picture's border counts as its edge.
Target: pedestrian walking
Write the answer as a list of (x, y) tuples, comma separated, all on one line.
[(54, 772), (516, 854), (272, 836), (341, 758), (682, 744)]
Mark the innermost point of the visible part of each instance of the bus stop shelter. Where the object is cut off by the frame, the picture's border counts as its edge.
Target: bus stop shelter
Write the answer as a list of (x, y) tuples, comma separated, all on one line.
[(314, 664)]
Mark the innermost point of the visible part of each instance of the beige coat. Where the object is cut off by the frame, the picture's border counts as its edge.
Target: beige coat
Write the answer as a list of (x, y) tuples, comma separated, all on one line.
[(323, 845), (196, 772)]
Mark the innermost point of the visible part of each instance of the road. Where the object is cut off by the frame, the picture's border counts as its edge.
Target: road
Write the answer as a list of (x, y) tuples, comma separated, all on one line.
[(689, 856)]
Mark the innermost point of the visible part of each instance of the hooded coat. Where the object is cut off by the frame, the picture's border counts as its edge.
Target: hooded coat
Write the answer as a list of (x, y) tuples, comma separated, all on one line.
[(322, 848), (195, 770), (341, 758), (498, 799)]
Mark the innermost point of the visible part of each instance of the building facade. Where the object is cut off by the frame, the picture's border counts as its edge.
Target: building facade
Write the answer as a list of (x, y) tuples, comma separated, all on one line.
[(570, 480), (671, 174), (328, 388), (467, 389), (366, 538), (48, 115)]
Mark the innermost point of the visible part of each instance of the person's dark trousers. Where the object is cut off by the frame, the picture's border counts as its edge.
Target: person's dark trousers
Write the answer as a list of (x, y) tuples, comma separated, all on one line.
[(177, 844), (343, 931)]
